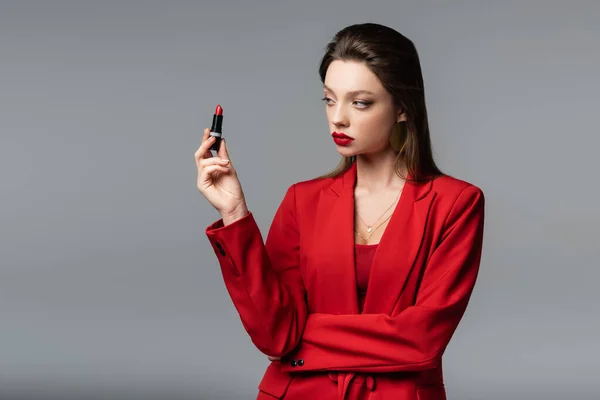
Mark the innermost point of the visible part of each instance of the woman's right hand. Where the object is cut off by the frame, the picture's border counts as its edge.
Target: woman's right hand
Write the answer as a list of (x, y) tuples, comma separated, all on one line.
[(217, 179)]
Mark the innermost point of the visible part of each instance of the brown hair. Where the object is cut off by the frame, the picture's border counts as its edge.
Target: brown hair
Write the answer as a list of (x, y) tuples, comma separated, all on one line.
[(394, 60)]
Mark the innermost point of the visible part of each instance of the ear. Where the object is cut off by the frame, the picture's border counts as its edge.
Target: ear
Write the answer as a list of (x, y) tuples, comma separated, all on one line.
[(401, 116)]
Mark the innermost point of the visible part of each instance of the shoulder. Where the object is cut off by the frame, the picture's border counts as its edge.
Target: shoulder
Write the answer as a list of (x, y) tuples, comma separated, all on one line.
[(307, 191), (456, 197), (304, 192), (312, 186), (451, 188)]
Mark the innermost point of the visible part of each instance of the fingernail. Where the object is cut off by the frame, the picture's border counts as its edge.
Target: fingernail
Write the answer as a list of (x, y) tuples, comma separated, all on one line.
[(225, 160)]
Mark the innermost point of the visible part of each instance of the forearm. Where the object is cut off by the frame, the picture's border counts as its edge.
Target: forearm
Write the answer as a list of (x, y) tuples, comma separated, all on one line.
[(263, 278)]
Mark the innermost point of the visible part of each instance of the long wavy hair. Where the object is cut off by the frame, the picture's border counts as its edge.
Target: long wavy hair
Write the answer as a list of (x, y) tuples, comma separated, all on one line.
[(394, 60)]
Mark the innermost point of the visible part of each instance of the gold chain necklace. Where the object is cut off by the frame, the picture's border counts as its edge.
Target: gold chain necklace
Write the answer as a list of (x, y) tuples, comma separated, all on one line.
[(366, 239), (370, 227)]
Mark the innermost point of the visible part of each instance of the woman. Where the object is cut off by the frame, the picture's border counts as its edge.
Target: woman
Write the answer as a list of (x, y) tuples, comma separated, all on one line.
[(367, 271)]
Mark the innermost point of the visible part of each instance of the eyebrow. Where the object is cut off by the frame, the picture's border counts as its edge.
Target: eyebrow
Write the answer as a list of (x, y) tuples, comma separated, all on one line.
[(354, 92)]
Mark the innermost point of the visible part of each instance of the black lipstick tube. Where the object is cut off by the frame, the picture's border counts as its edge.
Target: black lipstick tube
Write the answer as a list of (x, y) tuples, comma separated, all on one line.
[(216, 130)]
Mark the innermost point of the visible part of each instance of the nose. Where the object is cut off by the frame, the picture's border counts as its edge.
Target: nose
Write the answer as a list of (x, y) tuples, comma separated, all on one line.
[(339, 116)]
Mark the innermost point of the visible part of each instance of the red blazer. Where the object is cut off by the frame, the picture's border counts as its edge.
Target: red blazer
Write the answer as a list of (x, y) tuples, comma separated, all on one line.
[(296, 294)]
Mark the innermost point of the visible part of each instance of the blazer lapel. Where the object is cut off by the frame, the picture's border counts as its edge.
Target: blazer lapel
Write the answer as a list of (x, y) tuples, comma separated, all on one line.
[(334, 267), (334, 241), (398, 248)]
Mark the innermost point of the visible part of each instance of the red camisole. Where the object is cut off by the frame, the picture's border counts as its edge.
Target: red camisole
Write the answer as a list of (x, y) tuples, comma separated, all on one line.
[(363, 257)]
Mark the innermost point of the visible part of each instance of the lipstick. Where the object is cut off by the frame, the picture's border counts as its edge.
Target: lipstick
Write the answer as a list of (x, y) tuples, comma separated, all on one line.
[(216, 127)]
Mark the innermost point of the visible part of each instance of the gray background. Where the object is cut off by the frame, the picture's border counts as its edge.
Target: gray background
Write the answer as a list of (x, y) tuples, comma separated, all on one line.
[(108, 285)]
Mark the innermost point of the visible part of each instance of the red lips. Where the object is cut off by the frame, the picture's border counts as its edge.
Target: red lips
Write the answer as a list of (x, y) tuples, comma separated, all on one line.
[(341, 139), (340, 135)]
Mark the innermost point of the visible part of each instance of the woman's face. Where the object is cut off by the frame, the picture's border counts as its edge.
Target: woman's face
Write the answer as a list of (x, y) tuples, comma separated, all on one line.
[(358, 106)]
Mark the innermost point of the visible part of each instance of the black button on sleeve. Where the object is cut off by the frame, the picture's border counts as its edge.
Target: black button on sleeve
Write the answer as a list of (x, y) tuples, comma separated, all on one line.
[(220, 248), (300, 362), (293, 363)]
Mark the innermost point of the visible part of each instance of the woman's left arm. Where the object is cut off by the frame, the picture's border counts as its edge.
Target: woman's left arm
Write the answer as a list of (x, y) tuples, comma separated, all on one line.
[(416, 338)]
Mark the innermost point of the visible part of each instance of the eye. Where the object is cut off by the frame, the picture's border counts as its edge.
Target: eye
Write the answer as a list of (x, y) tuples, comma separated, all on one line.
[(326, 100), (363, 104)]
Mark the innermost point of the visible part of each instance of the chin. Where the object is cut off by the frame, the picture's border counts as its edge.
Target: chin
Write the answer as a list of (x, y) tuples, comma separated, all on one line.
[(346, 151)]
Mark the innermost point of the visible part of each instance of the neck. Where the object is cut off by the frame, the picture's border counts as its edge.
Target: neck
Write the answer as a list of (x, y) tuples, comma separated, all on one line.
[(375, 172)]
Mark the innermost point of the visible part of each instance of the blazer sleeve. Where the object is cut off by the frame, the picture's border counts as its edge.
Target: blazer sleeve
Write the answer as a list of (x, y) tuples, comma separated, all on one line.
[(263, 278), (416, 338)]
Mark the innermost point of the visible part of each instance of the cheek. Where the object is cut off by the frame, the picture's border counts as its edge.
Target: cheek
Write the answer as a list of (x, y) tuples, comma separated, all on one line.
[(372, 122), (329, 113)]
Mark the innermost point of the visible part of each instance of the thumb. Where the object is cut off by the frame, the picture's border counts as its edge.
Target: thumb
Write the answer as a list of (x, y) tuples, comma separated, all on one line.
[(222, 152)]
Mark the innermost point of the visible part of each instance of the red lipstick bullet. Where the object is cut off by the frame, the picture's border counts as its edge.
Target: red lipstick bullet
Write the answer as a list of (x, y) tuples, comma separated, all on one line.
[(216, 127)]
